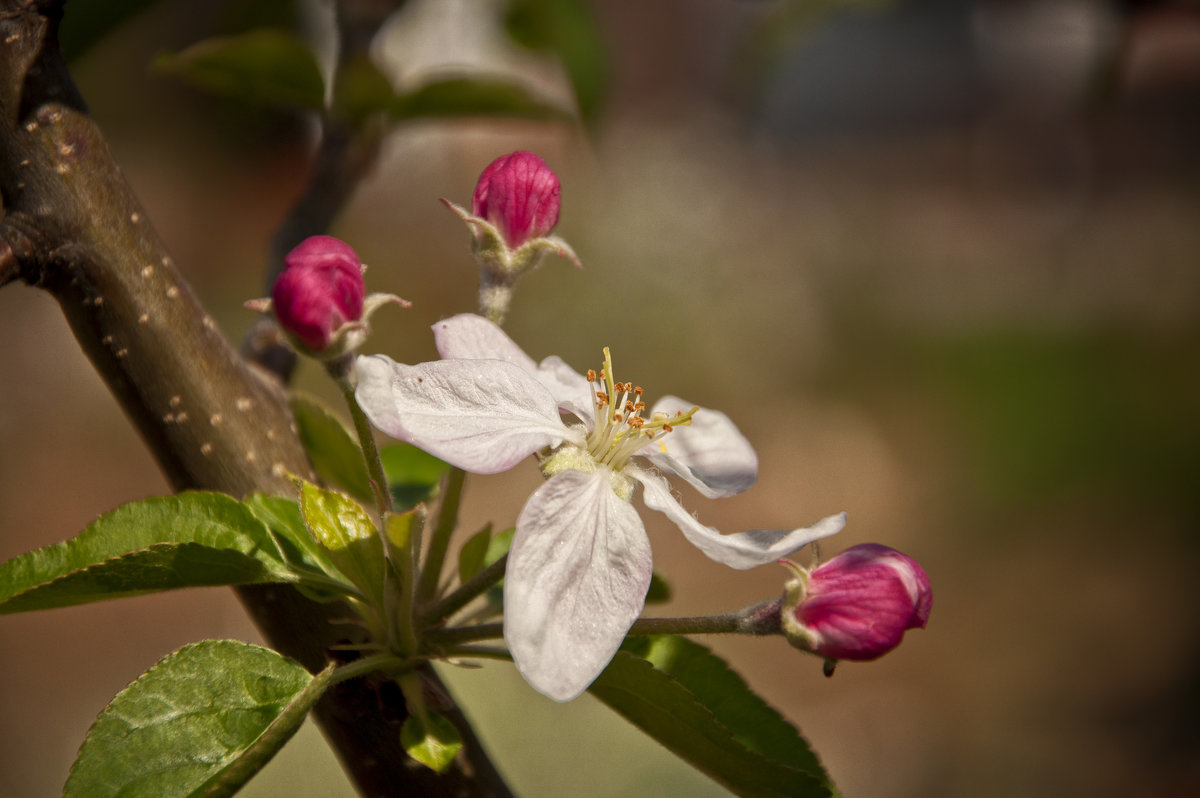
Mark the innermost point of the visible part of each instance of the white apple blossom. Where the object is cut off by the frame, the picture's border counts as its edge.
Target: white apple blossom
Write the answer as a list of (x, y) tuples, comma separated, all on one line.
[(579, 567)]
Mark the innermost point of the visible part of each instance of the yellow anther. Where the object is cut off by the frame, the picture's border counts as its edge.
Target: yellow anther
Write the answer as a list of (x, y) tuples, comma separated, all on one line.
[(620, 425)]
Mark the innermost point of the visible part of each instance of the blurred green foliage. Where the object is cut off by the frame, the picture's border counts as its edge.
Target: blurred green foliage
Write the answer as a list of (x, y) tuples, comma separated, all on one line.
[(262, 67), (1048, 415), (568, 30)]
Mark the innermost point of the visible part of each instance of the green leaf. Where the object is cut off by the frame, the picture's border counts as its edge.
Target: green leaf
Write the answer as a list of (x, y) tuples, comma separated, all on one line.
[(753, 722), (200, 722), (412, 475), (465, 96), (659, 590), (348, 535), (434, 745), (470, 556), (694, 726), (158, 544), (499, 545), (264, 67), (305, 557), (334, 453)]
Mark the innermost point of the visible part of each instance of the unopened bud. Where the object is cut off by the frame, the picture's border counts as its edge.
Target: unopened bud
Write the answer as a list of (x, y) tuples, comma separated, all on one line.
[(320, 290), (857, 605), (320, 298), (520, 195), (515, 206)]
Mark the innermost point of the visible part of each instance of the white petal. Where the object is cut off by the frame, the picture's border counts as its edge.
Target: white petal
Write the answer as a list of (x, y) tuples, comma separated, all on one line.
[(472, 337), (710, 453), (742, 550), (483, 416), (576, 580), (569, 387)]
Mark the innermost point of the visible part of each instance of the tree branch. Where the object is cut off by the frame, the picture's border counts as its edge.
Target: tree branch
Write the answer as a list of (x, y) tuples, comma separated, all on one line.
[(346, 153), (74, 228)]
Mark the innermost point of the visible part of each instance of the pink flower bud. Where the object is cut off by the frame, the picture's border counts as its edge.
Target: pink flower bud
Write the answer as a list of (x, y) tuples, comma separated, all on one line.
[(858, 605), (320, 290), (520, 195)]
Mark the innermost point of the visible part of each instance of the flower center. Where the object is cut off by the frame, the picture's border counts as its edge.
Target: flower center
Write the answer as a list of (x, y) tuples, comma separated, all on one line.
[(620, 430)]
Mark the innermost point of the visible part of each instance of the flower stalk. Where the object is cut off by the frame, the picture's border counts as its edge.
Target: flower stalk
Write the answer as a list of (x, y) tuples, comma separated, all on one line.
[(439, 540), (366, 439), (464, 595), (757, 619)]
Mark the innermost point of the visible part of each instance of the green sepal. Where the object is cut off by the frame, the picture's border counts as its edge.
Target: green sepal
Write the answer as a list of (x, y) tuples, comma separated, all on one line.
[(163, 543), (691, 702), (433, 744), (201, 722)]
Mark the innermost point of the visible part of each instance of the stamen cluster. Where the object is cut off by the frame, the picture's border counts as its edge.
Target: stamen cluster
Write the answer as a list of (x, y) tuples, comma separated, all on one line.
[(620, 430)]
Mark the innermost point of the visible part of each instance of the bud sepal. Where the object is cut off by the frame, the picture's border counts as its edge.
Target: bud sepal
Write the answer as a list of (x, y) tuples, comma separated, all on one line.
[(494, 254)]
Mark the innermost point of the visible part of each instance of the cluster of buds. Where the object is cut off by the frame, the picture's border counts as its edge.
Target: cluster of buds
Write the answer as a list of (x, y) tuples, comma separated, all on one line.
[(856, 606), (320, 298), (513, 210)]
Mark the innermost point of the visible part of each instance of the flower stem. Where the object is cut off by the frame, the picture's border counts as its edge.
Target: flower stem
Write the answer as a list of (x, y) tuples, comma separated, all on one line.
[(479, 652), (439, 541), (414, 697), (363, 666), (758, 619), (732, 623), (464, 634), (753, 620), (400, 532), (340, 371), (466, 592)]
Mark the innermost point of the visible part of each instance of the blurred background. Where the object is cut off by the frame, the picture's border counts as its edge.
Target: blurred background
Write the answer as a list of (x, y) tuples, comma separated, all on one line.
[(938, 260)]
